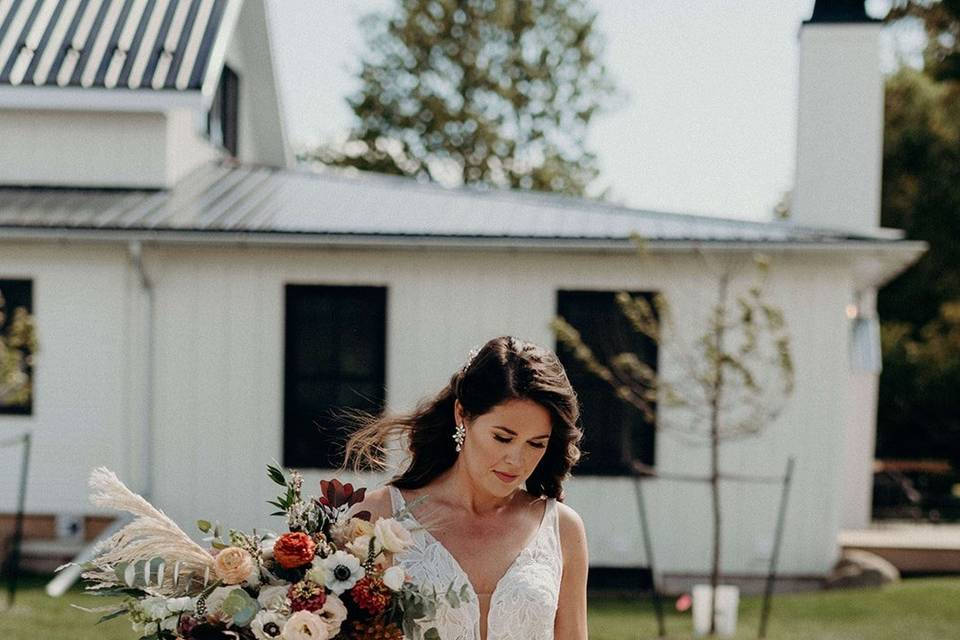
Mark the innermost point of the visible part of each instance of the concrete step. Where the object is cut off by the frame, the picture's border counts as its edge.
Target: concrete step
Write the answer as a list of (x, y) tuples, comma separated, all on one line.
[(910, 547)]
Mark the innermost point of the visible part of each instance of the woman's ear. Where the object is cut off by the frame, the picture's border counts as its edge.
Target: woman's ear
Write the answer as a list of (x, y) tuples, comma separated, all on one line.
[(457, 412)]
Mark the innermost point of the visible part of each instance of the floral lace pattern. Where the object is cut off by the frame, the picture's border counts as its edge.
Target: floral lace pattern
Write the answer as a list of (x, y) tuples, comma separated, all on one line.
[(524, 603)]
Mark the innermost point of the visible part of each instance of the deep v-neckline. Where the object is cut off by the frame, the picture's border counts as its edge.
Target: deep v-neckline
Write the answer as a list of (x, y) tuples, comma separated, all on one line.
[(459, 567)]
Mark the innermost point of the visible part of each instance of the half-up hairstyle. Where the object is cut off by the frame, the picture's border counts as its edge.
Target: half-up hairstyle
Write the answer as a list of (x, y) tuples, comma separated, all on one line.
[(504, 369)]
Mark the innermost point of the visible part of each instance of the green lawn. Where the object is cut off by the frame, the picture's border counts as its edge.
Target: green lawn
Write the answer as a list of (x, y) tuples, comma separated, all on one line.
[(920, 609)]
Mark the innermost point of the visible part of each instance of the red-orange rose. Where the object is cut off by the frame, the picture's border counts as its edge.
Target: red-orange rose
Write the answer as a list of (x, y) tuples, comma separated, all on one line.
[(294, 550)]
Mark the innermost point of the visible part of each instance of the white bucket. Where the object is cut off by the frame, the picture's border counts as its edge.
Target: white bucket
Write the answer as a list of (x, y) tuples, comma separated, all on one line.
[(728, 600)]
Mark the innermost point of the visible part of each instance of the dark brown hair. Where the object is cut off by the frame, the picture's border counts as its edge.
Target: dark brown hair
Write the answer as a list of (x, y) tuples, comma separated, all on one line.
[(506, 368)]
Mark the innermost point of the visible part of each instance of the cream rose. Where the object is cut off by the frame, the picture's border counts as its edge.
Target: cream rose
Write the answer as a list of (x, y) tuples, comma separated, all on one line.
[(394, 578), (392, 535), (304, 625), (233, 565), (360, 547), (333, 613), (351, 529)]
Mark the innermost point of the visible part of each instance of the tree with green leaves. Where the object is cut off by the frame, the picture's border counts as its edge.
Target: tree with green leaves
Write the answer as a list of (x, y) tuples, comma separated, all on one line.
[(728, 382), (940, 20), (919, 414), (480, 92)]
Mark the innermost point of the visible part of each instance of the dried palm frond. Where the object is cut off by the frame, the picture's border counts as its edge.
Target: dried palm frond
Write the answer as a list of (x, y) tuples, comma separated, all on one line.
[(142, 553)]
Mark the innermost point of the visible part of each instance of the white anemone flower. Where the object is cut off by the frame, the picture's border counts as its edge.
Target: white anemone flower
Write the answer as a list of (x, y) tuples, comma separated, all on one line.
[(268, 625), (343, 571)]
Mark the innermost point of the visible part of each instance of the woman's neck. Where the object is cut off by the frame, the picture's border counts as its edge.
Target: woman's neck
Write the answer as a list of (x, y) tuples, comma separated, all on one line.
[(459, 489)]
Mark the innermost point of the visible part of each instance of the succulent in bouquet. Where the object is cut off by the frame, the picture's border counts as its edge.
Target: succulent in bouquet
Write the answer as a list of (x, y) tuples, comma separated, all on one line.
[(330, 576)]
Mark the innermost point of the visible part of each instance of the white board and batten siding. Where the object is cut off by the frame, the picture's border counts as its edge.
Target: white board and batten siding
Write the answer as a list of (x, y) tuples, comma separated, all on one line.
[(218, 394)]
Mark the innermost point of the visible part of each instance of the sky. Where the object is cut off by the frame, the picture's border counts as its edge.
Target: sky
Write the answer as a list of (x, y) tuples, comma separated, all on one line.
[(707, 119)]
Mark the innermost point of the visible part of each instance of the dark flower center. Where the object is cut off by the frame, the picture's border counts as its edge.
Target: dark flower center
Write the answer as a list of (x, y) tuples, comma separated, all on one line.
[(342, 572), (271, 629)]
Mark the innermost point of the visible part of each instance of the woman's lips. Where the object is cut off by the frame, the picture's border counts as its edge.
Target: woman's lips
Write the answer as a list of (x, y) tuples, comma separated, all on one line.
[(505, 477)]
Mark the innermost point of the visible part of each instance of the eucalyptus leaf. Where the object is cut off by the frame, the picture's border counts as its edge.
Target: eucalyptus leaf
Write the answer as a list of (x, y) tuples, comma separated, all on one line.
[(431, 634), (204, 526), (240, 607)]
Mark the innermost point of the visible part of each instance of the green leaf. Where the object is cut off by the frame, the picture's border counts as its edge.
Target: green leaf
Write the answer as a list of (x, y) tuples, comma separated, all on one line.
[(111, 616), (431, 634), (204, 526), (240, 607), (276, 475)]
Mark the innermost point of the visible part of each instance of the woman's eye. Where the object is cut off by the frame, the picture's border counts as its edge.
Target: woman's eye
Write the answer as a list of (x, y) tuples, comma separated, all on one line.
[(499, 439), (537, 446)]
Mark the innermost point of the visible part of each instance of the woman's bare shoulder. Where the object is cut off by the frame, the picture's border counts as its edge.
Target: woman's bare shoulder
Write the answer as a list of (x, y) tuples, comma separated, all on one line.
[(377, 502), (573, 535)]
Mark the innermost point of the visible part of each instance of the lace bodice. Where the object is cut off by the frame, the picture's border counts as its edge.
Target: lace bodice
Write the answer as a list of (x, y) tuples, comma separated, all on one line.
[(524, 602)]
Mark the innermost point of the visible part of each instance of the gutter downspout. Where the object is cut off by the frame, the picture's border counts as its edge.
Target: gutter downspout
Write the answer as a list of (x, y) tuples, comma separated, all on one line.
[(135, 250), (70, 573)]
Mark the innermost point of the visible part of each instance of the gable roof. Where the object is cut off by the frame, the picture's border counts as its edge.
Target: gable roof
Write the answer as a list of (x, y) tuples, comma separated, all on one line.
[(160, 45)]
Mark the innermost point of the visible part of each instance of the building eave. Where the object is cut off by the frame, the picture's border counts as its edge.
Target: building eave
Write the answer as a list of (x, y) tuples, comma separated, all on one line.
[(92, 99)]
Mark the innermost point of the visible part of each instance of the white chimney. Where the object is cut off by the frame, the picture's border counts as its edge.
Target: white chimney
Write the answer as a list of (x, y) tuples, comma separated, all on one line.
[(840, 123)]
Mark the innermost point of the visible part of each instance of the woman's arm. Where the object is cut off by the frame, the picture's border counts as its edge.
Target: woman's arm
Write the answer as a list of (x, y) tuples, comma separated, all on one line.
[(571, 621)]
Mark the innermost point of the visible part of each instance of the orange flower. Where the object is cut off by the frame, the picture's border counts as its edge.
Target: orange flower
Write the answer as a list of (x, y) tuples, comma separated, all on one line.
[(294, 550)]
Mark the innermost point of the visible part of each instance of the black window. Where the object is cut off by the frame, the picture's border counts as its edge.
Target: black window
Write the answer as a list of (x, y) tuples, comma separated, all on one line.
[(222, 117), (335, 359), (616, 434), (17, 346)]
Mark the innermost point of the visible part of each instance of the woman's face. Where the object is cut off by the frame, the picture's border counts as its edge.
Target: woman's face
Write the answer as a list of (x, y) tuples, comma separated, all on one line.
[(503, 446)]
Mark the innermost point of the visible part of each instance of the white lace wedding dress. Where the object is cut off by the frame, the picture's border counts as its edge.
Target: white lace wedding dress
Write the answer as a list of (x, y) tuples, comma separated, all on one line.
[(524, 601)]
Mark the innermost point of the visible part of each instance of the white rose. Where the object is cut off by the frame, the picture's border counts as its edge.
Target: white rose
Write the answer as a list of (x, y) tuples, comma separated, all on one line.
[(150, 628), (392, 535), (304, 625), (170, 624), (273, 598), (394, 578), (267, 625)]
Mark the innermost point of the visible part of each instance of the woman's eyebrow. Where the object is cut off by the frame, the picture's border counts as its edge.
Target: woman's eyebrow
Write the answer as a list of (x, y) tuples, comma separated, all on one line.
[(514, 433)]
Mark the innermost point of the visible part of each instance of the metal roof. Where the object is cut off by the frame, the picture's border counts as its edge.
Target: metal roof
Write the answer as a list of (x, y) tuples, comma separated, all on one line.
[(133, 44), (250, 200)]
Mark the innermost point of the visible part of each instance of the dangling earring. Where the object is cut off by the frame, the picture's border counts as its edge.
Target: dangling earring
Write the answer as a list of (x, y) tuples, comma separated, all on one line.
[(458, 436)]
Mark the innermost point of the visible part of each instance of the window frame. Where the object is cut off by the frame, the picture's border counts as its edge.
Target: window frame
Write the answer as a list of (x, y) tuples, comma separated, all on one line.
[(297, 293), (638, 437), (5, 282)]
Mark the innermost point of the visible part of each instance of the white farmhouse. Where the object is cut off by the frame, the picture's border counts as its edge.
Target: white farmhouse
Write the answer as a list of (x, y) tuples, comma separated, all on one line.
[(202, 305)]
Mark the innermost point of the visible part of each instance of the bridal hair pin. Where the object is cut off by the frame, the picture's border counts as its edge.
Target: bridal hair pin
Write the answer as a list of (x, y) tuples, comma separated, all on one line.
[(470, 358)]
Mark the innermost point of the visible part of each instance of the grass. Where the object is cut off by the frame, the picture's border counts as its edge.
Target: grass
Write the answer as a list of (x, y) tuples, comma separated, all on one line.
[(918, 609)]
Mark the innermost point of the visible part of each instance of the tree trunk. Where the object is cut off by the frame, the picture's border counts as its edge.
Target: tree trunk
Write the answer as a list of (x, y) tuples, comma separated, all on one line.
[(720, 316)]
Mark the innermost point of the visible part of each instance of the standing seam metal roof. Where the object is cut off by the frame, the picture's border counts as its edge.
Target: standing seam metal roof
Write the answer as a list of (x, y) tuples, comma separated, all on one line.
[(158, 44), (225, 196)]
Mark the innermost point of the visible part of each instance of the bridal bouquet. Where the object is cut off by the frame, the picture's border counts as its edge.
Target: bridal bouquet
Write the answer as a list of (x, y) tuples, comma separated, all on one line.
[(329, 577)]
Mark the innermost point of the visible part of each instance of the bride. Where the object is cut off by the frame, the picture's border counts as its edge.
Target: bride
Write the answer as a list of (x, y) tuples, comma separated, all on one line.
[(491, 452)]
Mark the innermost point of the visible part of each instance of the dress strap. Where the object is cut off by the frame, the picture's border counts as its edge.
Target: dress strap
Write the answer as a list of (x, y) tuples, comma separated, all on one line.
[(396, 498)]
